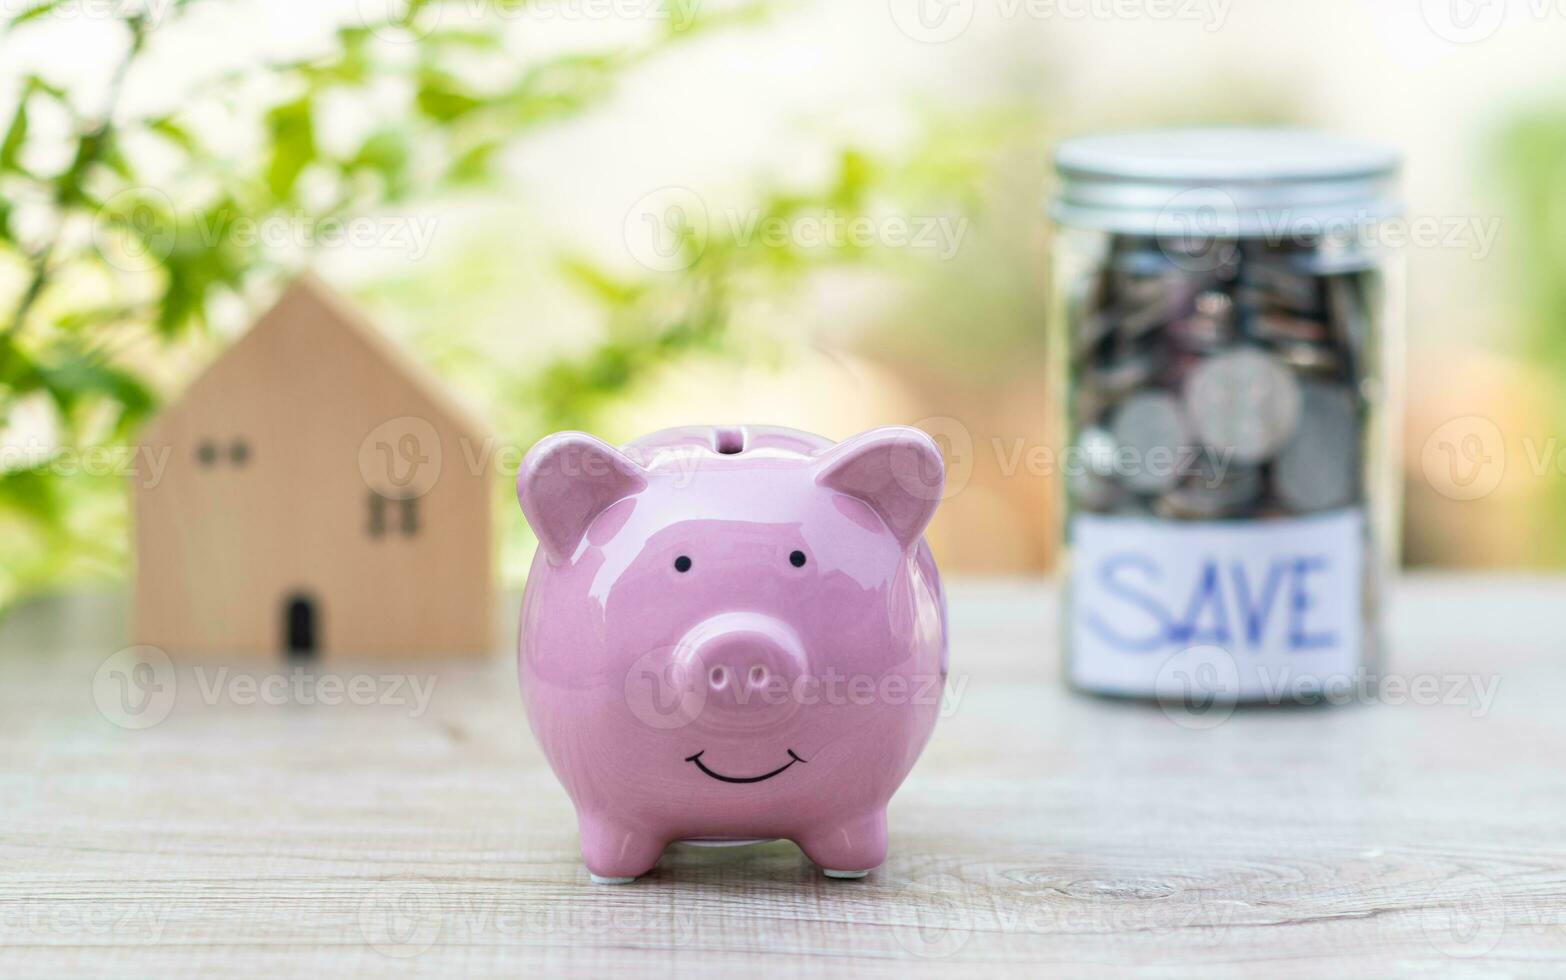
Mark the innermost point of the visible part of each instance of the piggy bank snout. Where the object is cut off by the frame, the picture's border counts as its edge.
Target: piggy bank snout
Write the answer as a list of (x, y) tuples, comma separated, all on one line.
[(748, 667)]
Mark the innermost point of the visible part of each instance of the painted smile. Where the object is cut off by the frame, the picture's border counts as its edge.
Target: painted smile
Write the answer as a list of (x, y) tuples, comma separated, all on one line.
[(792, 758)]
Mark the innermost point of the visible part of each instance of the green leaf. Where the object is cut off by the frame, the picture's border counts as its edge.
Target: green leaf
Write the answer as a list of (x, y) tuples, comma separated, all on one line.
[(33, 13), (78, 378), (291, 127), (442, 98), (598, 281), (475, 164), (32, 492), (15, 135), (386, 153), (166, 127), (479, 40)]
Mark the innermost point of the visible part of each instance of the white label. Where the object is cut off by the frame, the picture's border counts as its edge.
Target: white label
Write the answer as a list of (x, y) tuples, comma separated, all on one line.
[(1259, 608)]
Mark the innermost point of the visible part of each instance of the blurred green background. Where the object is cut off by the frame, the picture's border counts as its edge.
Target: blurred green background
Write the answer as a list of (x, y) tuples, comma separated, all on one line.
[(623, 214)]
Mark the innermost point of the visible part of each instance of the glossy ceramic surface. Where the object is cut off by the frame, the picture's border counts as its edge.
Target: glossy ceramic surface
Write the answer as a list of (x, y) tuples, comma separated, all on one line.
[(732, 634)]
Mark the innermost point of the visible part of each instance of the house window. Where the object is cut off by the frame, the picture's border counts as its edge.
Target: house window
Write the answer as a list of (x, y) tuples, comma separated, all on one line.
[(377, 526), (407, 515)]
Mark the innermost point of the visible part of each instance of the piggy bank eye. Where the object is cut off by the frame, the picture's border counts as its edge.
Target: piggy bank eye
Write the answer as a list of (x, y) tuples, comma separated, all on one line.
[(797, 559), (682, 564)]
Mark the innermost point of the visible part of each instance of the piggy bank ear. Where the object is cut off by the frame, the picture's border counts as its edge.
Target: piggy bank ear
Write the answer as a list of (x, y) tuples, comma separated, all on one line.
[(568, 479), (895, 469)]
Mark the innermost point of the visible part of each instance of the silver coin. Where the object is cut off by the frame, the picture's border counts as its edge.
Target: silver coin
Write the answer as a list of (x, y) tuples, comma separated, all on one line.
[(1201, 500), (1095, 493), (1152, 427), (1243, 402), (1319, 468), (1097, 450)]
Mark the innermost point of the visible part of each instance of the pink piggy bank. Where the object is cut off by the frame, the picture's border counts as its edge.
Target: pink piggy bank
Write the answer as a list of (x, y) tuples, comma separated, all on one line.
[(732, 635)]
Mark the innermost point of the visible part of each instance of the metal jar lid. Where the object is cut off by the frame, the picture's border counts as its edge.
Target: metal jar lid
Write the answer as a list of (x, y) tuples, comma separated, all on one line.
[(1223, 182)]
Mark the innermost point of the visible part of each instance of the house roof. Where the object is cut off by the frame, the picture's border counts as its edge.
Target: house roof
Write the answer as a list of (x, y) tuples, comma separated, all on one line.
[(309, 291)]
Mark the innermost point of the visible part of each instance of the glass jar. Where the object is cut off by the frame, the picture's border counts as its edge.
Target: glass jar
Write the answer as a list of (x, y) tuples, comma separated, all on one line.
[(1224, 321)]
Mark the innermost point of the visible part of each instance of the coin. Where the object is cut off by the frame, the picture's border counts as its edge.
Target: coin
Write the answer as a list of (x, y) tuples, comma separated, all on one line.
[(1319, 468), (1244, 402), (1097, 450), (1152, 427), (1206, 500)]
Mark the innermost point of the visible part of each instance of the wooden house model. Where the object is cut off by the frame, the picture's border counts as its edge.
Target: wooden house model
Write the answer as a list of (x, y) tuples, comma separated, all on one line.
[(321, 494)]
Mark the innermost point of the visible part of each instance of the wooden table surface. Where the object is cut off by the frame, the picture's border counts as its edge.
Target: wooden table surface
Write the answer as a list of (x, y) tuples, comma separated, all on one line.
[(403, 821)]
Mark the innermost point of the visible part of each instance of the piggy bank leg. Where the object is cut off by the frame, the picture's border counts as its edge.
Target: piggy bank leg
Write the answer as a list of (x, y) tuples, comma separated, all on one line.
[(848, 850), (616, 854)]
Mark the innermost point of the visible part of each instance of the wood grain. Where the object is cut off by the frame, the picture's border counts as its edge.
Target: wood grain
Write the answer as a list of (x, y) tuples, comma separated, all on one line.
[(1042, 832)]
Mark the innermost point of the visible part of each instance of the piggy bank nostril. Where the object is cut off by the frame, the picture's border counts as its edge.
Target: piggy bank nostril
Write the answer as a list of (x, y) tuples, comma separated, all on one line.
[(717, 677), (758, 675)]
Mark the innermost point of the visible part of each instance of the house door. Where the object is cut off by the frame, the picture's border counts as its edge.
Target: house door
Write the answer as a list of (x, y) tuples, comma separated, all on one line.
[(300, 627)]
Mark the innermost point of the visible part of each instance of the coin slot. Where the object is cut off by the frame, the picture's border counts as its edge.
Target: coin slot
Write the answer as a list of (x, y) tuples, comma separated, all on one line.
[(729, 442)]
